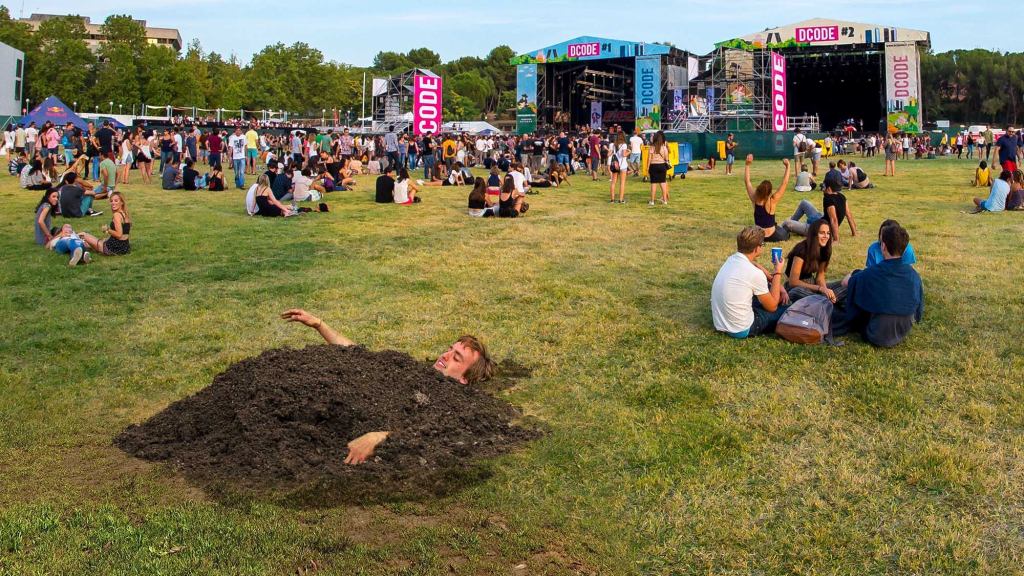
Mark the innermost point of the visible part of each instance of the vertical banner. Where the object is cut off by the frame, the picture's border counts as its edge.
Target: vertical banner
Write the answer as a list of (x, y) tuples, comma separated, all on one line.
[(426, 104), (902, 88), (526, 106), (648, 93), (595, 115), (779, 115)]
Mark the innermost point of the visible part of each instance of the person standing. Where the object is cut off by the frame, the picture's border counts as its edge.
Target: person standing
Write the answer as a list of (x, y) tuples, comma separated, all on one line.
[(214, 144), (391, 148), (236, 144), (891, 148), (636, 144), (1007, 147), (427, 151), (799, 146), (618, 165), (31, 136), (730, 153), (658, 166), (252, 150), (594, 144)]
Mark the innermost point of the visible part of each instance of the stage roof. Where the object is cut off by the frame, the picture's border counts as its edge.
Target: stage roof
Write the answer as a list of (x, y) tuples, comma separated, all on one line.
[(590, 48), (825, 32)]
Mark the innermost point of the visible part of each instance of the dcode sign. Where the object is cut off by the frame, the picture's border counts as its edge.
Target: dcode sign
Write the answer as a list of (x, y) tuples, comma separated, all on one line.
[(584, 50), (778, 92), (426, 104), (817, 34)]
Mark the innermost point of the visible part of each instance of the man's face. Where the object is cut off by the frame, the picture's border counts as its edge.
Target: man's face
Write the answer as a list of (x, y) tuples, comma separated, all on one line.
[(456, 361)]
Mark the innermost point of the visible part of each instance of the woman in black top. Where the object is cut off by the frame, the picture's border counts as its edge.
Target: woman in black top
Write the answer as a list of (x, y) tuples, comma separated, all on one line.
[(510, 201), (216, 180), (765, 201), (807, 263), (116, 243)]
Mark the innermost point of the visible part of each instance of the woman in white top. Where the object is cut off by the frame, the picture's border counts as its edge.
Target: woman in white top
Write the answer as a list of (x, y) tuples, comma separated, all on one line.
[(145, 159), (405, 190), (619, 167), (126, 160)]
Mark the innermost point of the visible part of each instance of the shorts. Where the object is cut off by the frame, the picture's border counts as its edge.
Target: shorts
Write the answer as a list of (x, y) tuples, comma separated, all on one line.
[(251, 153), (1009, 165), (634, 158), (658, 172), (594, 162), (730, 159)]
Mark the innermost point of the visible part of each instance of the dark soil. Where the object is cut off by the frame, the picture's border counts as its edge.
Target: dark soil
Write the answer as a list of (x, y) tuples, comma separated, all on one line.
[(279, 423)]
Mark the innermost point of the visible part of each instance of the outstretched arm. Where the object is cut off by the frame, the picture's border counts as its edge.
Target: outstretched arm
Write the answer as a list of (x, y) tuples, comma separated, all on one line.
[(330, 336), (746, 177), (785, 178)]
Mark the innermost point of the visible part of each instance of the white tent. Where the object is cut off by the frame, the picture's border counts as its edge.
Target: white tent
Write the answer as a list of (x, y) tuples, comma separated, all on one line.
[(471, 127)]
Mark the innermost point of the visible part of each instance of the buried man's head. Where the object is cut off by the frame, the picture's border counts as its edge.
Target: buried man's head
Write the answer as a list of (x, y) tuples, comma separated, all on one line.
[(466, 360)]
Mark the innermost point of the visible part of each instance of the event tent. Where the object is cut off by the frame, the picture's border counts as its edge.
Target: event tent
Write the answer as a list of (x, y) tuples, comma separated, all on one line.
[(55, 111), (472, 127)]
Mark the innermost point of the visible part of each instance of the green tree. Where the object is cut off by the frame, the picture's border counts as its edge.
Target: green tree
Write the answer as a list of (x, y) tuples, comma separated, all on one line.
[(424, 58), (158, 78), (64, 65), (117, 78), (193, 77), (391, 63)]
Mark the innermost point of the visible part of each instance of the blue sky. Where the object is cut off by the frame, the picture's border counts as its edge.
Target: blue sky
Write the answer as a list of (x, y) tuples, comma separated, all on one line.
[(352, 32)]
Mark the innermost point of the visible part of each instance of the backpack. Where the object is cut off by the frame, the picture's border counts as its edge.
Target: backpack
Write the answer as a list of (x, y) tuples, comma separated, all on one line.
[(807, 321), (803, 146)]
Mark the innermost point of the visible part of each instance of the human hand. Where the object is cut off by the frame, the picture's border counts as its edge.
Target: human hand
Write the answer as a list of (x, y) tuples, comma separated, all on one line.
[(784, 297), (780, 266), (828, 293), (360, 449), (785, 162), (301, 316), (750, 159)]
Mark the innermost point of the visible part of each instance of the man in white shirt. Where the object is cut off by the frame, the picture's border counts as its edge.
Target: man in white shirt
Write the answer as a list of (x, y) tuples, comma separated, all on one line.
[(518, 178), (635, 146), (31, 135), (799, 146), (743, 303), (236, 144)]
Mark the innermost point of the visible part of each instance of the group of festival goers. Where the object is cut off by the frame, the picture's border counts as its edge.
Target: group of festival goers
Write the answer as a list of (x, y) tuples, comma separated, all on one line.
[(881, 302)]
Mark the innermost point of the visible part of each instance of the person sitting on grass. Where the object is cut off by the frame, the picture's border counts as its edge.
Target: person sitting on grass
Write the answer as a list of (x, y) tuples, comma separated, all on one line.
[(746, 298), (510, 200), (385, 187), (455, 176), (64, 240), (807, 263), (875, 249), (263, 201), (856, 177), (48, 206), (216, 181), (480, 203), (17, 164), (117, 241), (75, 201), (765, 201), (190, 178), (171, 179), (108, 175), (804, 181), (282, 185), (1015, 199), (982, 175), (34, 178), (836, 210), (466, 361), (996, 201), (405, 191), (885, 300)]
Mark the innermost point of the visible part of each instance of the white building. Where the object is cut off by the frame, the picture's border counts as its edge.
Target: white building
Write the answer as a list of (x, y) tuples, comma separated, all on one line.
[(12, 80)]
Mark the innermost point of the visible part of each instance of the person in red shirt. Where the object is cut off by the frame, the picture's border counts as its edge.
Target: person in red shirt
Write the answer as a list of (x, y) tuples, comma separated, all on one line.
[(594, 141), (214, 145)]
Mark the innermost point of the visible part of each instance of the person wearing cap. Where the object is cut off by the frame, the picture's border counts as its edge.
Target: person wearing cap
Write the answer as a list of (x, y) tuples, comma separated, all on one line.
[(1007, 146)]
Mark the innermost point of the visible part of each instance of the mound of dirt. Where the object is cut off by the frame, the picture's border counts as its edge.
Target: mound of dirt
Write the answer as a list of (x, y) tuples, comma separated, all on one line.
[(281, 421)]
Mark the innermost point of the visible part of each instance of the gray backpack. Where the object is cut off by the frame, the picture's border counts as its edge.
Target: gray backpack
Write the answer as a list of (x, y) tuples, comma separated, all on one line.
[(807, 321)]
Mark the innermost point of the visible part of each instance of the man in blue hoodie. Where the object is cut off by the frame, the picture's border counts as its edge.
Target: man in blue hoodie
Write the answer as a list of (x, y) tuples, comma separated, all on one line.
[(885, 300)]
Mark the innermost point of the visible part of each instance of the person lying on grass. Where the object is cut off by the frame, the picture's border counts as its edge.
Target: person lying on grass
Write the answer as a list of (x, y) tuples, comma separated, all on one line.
[(465, 361)]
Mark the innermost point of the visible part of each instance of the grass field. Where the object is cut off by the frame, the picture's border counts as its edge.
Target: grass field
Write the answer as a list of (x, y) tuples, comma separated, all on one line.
[(671, 449)]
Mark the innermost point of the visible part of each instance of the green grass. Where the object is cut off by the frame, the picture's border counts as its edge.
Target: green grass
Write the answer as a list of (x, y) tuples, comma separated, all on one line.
[(672, 449)]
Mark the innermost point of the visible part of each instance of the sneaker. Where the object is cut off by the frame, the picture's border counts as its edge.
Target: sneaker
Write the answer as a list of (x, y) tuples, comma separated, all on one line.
[(612, 201), (623, 201), (651, 203), (665, 202), (92, 212), (75, 257), (86, 258)]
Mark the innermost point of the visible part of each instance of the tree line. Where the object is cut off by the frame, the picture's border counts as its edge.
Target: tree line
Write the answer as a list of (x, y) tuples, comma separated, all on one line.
[(128, 71), (959, 85)]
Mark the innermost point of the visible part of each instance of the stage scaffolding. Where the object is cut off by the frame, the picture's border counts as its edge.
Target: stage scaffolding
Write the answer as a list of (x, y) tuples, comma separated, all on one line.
[(733, 93)]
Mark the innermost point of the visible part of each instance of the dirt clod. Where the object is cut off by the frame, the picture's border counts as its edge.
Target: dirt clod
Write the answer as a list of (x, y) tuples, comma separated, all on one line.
[(280, 422)]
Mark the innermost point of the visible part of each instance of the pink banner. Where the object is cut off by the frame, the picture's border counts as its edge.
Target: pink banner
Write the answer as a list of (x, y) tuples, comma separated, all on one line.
[(426, 104), (817, 34), (585, 49), (778, 92)]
